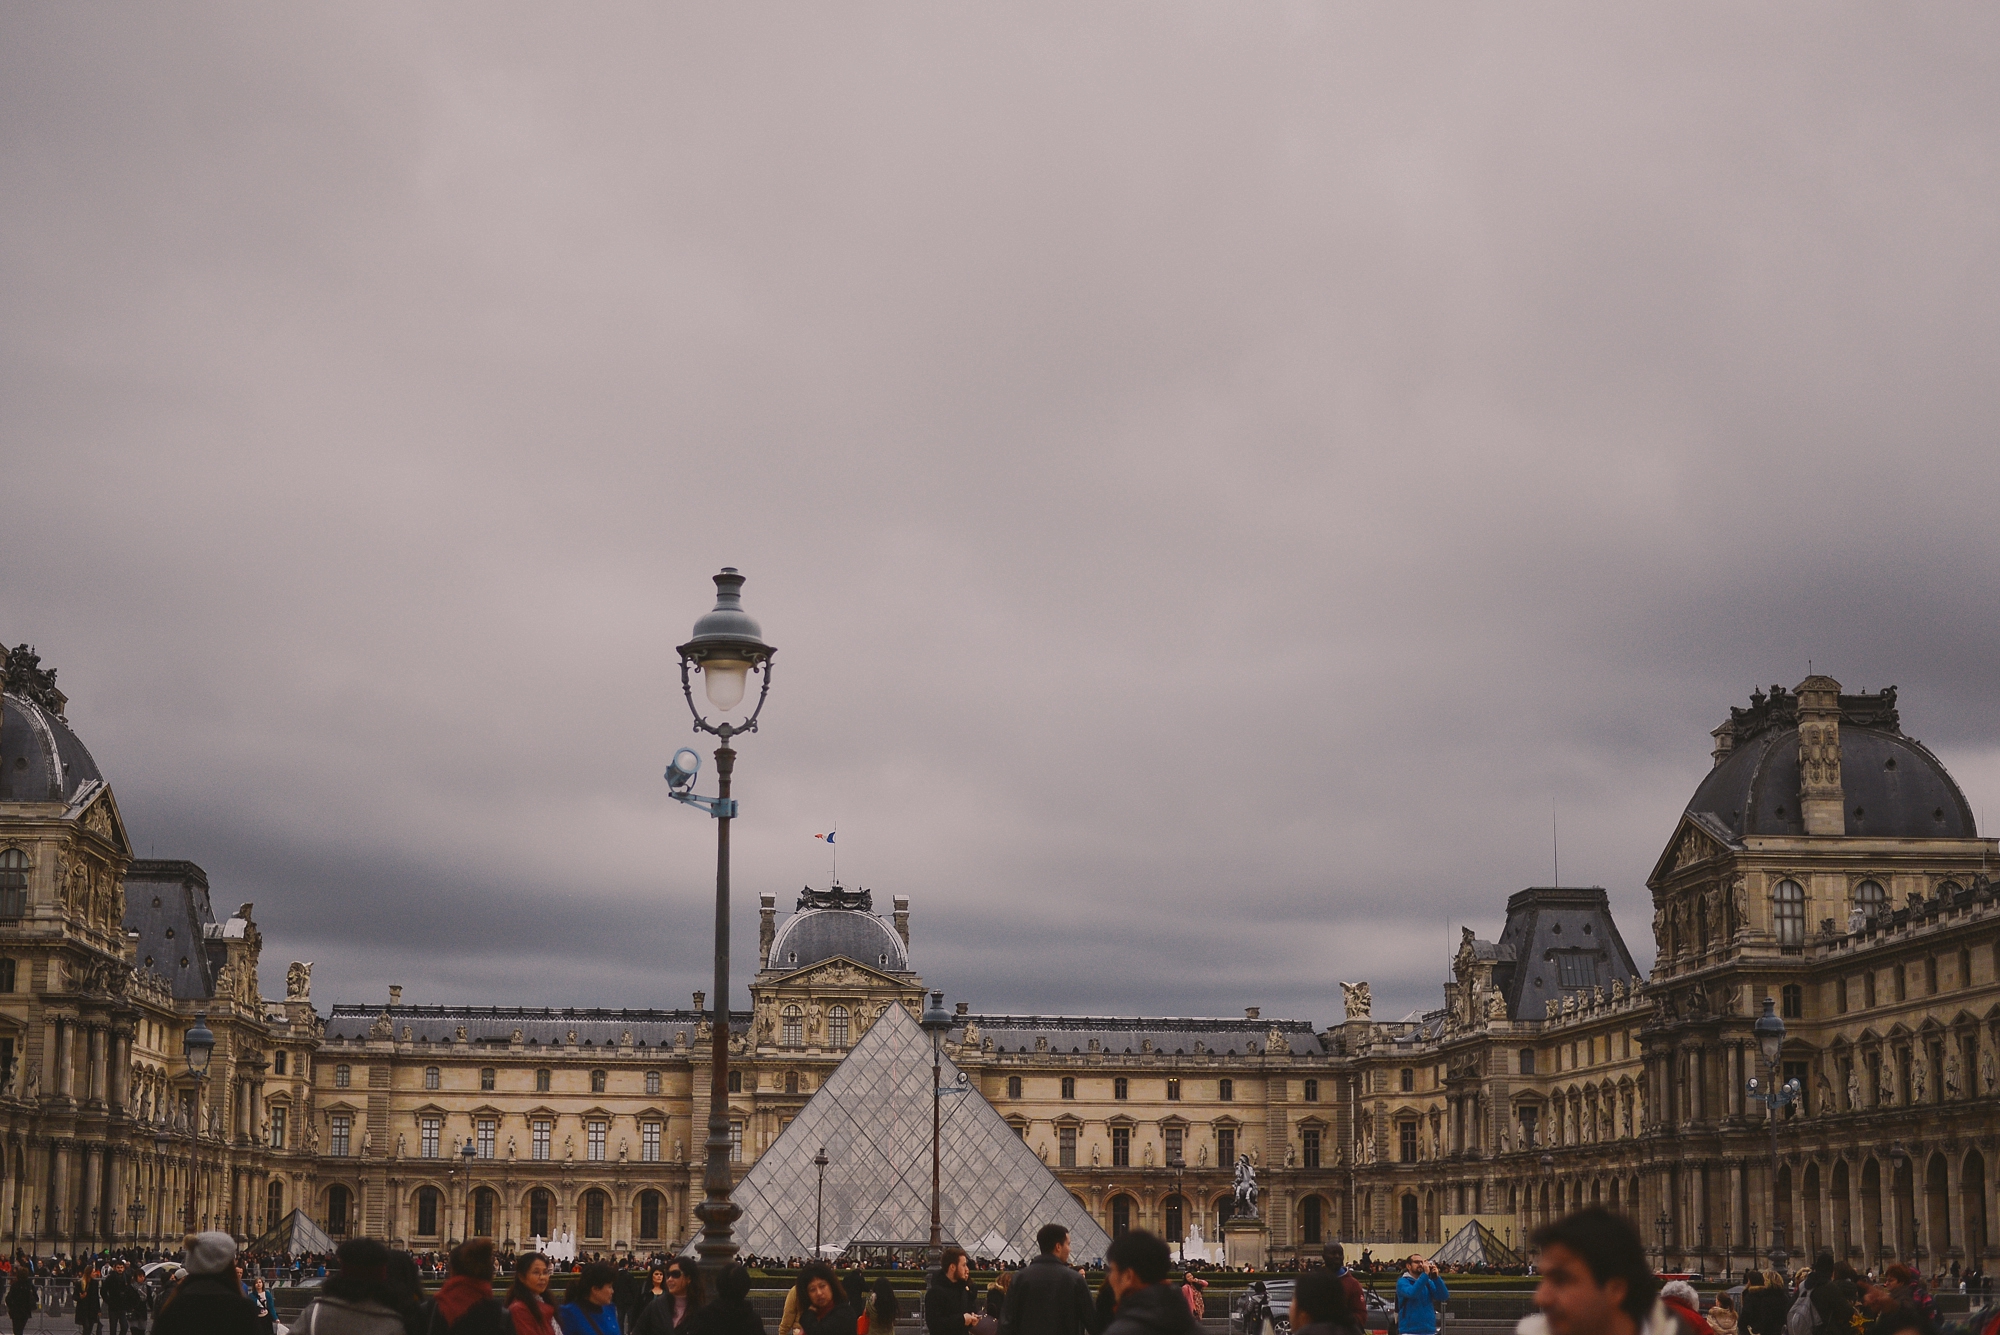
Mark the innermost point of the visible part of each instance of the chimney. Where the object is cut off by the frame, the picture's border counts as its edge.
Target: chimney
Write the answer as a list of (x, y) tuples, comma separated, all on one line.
[(395, 996), (767, 927), (1252, 1012), (1822, 800), (699, 999), (903, 919), (1725, 742)]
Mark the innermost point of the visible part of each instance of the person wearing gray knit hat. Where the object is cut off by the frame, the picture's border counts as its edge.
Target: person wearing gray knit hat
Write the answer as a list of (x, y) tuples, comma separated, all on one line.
[(210, 1300)]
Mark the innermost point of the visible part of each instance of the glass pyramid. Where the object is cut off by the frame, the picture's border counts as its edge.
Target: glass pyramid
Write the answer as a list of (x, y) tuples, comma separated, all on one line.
[(873, 1116), (295, 1235), (1474, 1245)]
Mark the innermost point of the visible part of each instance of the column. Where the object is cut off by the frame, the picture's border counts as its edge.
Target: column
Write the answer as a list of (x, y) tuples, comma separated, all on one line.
[(65, 1058), (121, 1069), (1698, 1203), (90, 1206), (59, 1193), (1700, 1062), (95, 1046)]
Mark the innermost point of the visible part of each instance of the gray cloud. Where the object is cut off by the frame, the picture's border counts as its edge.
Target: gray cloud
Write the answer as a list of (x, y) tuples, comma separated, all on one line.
[(1218, 479)]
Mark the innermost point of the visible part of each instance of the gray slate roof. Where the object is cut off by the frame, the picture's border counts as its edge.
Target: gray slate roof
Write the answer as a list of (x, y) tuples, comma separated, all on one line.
[(41, 759), (546, 1026), (1544, 926), (1894, 788), (181, 889), (816, 934), (1119, 1035)]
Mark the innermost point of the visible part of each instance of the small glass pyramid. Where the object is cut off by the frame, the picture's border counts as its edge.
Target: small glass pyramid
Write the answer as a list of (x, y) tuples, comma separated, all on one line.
[(873, 1117), (1474, 1245)]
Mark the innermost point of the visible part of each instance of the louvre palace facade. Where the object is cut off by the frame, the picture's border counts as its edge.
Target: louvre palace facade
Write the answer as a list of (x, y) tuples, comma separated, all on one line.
[(1826, 862)]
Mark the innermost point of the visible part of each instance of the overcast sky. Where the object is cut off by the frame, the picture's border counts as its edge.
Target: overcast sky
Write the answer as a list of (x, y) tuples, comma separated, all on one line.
[(1219, 477)]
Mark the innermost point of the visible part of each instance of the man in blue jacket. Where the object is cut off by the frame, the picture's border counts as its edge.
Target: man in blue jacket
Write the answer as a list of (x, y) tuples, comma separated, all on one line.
[(1418, 1293)]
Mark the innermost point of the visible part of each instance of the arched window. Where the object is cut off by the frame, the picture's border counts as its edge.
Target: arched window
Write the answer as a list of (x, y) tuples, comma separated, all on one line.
[(794, 1029), (597, 1082), (1312, 1220), (1870, 898), (1312, 1091), (274, 1203), (6, 975), (1013, 1086), (13, 884), (649, 1216), (1120, 1088), (539, 1202), (1788, 912), (431, 1079), (342, 1076), (652, 1082), (1069, 1086), (791, 1082), (1121, 1215), (836, 1024), (1792, 1002), (483, 1201), (338, 1205), (595, 1205), (427, 1212)]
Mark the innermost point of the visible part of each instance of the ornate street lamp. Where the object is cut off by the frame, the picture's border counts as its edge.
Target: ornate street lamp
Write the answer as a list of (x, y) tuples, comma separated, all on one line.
[(936, 1022), (467, 1153), (820, 1162), (726, 647), (198, 1048), (1775, 1094), (1179, 1165), (1663, 1224)]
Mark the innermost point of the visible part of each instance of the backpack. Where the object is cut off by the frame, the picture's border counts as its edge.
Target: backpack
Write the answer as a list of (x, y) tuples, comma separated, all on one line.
[(1802, 1319)]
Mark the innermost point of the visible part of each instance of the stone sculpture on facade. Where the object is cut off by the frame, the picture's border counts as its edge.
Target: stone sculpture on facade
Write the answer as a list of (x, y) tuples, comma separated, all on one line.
[(1244, 1202), (1359, 1004)]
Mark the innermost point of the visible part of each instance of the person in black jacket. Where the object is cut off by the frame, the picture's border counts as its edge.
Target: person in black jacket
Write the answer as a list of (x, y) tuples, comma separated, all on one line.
[(1135, 1268), (731, 1312), (950, 1308), (210, 1300), (823, 1308), (1048, 1297), (21, 1298)]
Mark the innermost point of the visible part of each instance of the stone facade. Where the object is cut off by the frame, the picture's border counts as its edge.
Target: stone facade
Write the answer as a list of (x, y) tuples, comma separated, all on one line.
[(1827, 863)]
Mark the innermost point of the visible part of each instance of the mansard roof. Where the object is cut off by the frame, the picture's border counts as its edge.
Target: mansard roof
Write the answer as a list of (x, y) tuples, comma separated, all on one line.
[(1562, 941), (594, 1027), (1119, 1035), (182, 908)]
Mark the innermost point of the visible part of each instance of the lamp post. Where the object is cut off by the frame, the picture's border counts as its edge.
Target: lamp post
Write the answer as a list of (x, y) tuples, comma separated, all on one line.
[(1663, 1224), (935, 1022), (1179, 1165), (467, 1154), (820, 1162), (198, 1047), (727, 646), (1775, 1094)]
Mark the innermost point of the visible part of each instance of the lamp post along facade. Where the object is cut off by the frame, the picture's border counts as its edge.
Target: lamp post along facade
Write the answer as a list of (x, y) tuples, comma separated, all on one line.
[(1776, 1094), (727, 646), (936, 1023)]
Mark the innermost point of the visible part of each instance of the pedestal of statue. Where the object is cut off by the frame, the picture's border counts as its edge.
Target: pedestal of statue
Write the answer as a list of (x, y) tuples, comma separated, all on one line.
[(1245, 1242)]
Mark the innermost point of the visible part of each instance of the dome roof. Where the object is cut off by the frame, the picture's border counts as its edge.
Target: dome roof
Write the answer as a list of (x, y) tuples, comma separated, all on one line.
[(1893, 787), (41, 760), (815, 934)]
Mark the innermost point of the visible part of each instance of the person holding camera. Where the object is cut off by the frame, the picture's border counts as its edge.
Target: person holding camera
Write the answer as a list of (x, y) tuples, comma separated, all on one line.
[(1419, 1293)]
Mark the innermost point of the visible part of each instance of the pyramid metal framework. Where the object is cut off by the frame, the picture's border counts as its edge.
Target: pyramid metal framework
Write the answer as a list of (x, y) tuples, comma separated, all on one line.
[(295, 1235), (873, 1117), (1476, 1244)]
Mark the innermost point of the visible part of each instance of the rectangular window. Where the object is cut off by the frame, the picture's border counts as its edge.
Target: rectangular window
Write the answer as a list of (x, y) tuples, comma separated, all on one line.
[(1902, 984), (428, 1132), (1121, 1147), (1121, 1088), (1069, 1086), (430, 1077), (1312, 1091), (1173, 1091), (649, 1142), (486, 1078), (1175, 1146), (1840, 996), (1792, 1001), (1408, 1080), (539, 1134), (542, 1081), (1527, 1061), (487, 1129), (1225, 1145), (594, 1136), (736, 1142), (337, 1143), (1226, 1090), (1576, 969), (1868, 990), (1800, 1072), (1965, 968), (1066, 1147), (278, 1128), (1309, 1147), (1406, 1142), (277, 1064), (652, 1082), (1930, 977), (342, 1076)]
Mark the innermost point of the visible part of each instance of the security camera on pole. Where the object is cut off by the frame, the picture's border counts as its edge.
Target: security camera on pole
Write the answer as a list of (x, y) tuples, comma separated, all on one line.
[(726, 648)]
